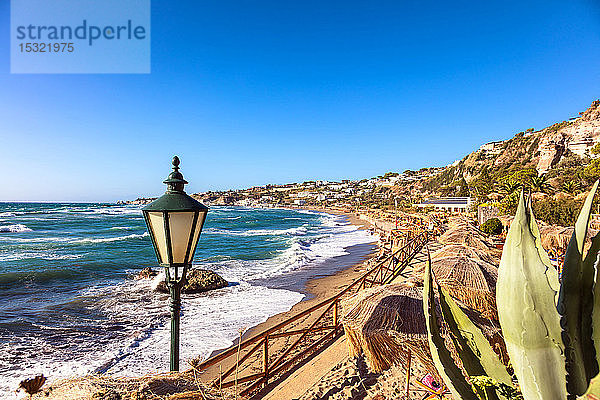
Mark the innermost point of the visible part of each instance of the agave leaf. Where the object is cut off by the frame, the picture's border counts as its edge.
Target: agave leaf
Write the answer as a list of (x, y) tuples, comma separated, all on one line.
[(551, 271), (596, 304), (527, 313), (448, 370), (574, 293), (590, 342), (475, 352), (593, 391), (471, 339)]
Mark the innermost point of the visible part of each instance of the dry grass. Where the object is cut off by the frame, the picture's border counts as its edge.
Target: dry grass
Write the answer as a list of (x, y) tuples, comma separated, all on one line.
[(167, 386)]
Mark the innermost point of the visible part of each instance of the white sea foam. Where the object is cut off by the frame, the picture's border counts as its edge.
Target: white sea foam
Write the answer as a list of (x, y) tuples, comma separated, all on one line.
[(7, 214), (41, 239), (257, 232), (209, 321), (14, 228), (27, 255), (330, 240), (111, 239)]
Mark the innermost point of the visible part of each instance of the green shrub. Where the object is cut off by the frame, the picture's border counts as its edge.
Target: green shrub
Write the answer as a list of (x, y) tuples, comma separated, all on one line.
[(492, 226), (557, 212)]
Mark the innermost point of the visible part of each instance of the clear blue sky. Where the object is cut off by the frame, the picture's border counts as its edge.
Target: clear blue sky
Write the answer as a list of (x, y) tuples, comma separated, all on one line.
[(256, 92)]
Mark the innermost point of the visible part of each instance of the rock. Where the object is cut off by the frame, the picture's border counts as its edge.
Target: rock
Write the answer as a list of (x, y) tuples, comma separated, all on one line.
[(147, 273), (551, 150), (198, 281)]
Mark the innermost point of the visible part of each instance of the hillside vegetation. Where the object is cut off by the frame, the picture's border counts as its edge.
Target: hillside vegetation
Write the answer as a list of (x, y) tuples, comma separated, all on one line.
[(555, 163)]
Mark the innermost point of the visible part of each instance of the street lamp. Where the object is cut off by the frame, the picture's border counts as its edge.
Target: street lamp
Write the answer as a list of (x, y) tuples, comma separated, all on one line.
[(174, 223)]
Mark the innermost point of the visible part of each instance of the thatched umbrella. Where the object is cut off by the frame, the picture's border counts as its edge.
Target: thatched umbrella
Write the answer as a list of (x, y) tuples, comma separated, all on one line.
[(387, 324), (466, 237), (471, 281), (555, 238), (464, 251)]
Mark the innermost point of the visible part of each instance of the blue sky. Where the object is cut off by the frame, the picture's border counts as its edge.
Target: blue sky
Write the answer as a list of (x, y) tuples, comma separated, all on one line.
[(256, 92)]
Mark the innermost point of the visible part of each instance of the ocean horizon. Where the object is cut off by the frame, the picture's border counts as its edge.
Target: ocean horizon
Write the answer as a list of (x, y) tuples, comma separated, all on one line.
[(72, 304)]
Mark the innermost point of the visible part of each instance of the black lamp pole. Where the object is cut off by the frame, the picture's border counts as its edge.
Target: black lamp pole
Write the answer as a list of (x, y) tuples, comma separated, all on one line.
[(175, 221)]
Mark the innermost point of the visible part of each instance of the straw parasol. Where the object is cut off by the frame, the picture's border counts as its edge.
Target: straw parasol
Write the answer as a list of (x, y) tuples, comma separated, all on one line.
[(387, 324), (470, 280), (466, 236), (555, 237), (464, 251)]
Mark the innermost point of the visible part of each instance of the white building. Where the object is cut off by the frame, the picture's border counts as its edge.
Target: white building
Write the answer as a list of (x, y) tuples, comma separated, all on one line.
[(452, 204)]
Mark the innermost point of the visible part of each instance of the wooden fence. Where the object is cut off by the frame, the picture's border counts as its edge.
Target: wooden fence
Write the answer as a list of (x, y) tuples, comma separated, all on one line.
[(252, 364)]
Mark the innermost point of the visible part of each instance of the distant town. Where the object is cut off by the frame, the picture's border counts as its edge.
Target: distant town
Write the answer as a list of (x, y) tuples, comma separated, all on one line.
[(378, 192)]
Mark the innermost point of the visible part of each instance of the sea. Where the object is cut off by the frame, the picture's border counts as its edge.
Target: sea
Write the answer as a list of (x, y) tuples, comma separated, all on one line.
[(71, 303)]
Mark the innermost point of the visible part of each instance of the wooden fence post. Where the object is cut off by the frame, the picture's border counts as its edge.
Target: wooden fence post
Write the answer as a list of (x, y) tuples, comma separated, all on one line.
[(408, 374), (266, 360), (335, 314)]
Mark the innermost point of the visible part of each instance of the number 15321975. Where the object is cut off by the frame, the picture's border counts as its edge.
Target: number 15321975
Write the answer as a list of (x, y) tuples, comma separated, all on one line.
[(46, 47)]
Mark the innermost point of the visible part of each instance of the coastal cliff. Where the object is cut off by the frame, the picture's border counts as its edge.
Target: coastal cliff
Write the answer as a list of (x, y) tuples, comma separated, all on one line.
[(542, 150)]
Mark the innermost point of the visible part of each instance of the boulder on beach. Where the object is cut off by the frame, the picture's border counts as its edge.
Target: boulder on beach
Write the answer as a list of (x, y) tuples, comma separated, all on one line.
[(147, 273), (198, 281)]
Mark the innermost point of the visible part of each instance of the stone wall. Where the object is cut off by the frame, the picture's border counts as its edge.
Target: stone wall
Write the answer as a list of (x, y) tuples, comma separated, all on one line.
[(486, 212)]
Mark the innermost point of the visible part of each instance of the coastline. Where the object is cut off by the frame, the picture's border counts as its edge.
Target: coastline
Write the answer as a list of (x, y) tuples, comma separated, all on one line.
[(343, 271), (316, 283)]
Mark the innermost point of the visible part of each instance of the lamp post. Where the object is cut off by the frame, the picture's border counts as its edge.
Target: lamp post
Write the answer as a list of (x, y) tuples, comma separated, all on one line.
[(174, 223)]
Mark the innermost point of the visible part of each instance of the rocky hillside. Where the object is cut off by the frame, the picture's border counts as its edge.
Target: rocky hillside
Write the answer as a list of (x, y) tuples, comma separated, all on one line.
[(559, 152)]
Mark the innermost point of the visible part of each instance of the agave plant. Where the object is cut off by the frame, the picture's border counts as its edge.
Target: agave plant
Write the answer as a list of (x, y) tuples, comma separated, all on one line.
[(551, 327)]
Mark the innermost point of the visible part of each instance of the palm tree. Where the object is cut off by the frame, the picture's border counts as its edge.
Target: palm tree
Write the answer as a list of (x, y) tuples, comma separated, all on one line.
[(570, 187), (540, 184), (510, 186)]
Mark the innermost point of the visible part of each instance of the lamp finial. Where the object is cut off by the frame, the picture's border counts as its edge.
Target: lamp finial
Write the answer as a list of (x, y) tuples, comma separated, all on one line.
[(175, 181)]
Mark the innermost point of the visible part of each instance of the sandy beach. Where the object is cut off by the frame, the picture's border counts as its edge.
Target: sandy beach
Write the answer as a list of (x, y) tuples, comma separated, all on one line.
[(319, 284), (320, 287)]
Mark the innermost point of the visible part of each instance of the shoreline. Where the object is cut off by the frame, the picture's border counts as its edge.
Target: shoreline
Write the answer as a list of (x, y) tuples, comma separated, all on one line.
[(316, 284), (320, 287)]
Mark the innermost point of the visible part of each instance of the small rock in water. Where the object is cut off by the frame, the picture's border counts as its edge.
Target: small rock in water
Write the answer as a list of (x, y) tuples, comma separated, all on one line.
[(147, 273), (33, 385), (198, 281)]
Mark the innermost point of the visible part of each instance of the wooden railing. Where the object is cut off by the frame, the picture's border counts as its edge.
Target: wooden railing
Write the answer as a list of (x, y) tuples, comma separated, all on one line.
[(250, 365)]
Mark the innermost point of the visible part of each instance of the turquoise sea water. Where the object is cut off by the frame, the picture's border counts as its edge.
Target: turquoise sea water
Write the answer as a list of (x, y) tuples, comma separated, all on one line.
[(70, 303)]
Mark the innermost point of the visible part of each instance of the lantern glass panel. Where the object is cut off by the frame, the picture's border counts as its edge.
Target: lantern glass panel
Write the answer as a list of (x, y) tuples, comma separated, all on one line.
[(199, 224), (157, 224), (180, 226)]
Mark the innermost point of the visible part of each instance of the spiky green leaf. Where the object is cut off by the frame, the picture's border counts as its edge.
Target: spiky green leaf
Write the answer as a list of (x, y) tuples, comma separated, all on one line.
[(590, 343), (596, 302), (475, 352), (551, 271), (448, 370), (573, 305), (593, 391), (527, 313)]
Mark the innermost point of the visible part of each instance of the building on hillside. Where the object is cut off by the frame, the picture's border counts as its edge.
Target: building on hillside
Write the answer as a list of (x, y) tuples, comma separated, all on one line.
[(492, 147), (452, 204)]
